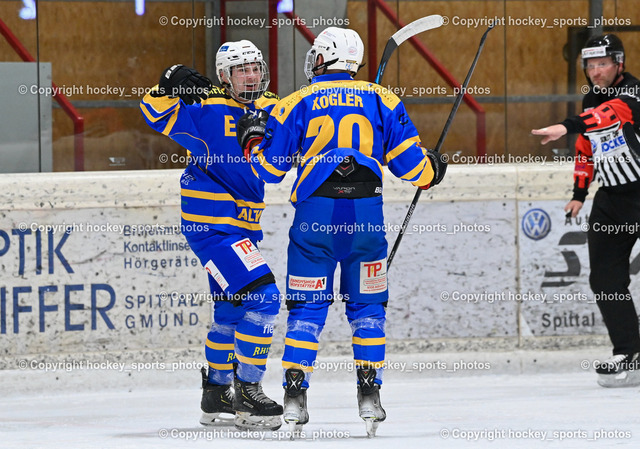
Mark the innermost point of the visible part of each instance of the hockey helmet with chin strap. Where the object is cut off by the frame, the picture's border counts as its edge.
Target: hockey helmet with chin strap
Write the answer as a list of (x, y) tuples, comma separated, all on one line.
[(234, 54), (341, 49)]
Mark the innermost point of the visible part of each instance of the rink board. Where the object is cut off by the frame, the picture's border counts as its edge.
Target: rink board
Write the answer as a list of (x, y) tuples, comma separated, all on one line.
[(95, 263)]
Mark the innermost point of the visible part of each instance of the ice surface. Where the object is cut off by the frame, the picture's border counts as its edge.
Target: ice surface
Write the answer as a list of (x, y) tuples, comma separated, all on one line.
[(496, 408)]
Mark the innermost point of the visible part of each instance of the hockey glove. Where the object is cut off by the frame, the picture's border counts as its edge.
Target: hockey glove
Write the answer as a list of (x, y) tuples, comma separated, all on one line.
[(183, 82), (439, 166), (250, 130)]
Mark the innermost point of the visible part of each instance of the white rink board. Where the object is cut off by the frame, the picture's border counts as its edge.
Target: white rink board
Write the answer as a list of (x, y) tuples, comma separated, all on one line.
[(555, 272), (104, 287)]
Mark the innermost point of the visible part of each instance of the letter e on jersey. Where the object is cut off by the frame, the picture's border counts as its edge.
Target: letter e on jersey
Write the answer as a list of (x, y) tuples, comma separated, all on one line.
[(248, 254), (373, 276)]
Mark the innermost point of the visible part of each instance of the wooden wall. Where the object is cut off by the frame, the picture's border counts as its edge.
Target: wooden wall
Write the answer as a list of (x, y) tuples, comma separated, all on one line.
[(517, 60), (103, 44)]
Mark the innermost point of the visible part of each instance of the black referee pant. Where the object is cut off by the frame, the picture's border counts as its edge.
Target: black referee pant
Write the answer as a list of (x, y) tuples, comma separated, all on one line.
[(614, 227)]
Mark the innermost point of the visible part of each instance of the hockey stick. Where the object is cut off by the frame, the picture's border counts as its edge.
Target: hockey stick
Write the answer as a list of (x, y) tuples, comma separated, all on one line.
[(443, 135), (404, 33), (631, 138)]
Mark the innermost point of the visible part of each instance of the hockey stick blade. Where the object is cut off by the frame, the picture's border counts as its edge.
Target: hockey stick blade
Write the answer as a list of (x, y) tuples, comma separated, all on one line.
[(443, 135), (631, 138), (406, 32)]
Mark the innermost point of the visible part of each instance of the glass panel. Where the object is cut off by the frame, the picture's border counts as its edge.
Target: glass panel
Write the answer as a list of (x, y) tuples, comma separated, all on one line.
[(102, 57), (25, 128)]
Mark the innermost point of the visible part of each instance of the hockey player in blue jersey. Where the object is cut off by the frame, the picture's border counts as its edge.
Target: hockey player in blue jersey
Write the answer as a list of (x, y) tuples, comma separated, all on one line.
[(221, 202), (342, 132)]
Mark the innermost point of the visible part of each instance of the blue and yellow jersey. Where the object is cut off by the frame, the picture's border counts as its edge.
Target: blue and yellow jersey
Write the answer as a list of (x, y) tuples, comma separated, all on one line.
[(334, 117), (219, 188)]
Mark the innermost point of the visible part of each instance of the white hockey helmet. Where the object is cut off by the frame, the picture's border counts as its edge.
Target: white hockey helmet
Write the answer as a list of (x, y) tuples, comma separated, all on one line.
[(341, 48), (234, 54)]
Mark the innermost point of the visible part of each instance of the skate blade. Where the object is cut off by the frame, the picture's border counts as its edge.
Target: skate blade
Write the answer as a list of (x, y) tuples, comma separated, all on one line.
[(295, 429), (372, 426), (216, 419), (620, 380), (374, 415), (247, 421)]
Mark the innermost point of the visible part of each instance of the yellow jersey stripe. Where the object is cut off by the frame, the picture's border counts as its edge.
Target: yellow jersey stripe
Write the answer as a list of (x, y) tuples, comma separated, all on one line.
[(426, 177), (418, 168), (194, 138), (397, 151), (145, 111), (267, 166), (301, 344), (222, 100), (172, 121), (221, 221), (305, 173), (381, 169), (265, 101), (220, 197), (159, 105), (220, 96)]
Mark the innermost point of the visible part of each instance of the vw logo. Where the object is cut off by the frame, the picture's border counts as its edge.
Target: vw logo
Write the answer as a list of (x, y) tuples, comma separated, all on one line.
[(536, 224)]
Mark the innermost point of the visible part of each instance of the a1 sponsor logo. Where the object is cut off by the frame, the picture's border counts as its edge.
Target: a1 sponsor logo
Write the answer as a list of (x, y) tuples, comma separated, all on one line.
[(307, 283)]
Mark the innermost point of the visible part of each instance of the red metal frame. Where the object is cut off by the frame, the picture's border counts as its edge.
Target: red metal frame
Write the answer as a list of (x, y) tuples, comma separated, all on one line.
[(223, 27), (372, 7), (273, 35), (65, 104), (481, 131), (273, 44), (297, 22)]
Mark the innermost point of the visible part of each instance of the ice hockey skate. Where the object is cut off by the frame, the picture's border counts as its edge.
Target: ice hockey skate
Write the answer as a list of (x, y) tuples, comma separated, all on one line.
[(216, 403), (254, 409), (620, 370), (369, 405), (295, 402)]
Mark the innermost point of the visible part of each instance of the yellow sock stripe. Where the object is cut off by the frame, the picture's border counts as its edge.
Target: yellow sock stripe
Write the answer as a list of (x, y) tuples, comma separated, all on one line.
[(251, 360), (368, 364), (222, 366), (305, 368), (368, 341), (220, 346), (254, 339), (301, 344)]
